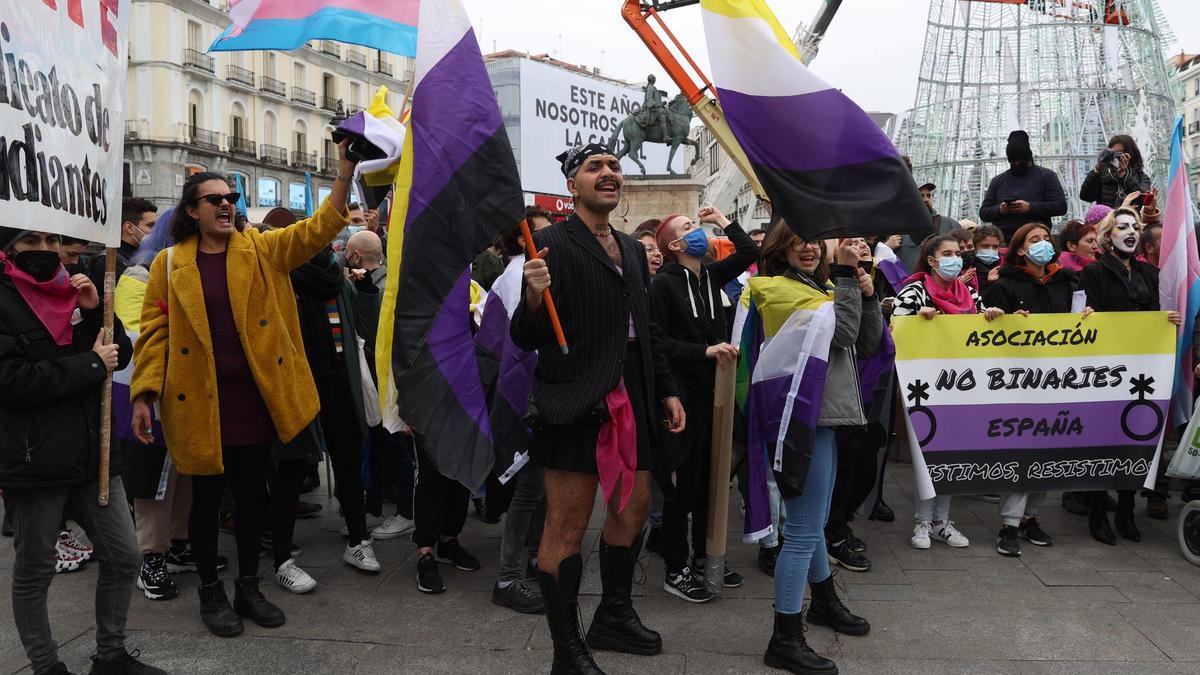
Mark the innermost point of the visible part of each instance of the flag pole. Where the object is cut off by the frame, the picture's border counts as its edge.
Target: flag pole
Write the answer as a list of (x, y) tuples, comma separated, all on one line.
[(110, 283), (718, 483), (531, 253)]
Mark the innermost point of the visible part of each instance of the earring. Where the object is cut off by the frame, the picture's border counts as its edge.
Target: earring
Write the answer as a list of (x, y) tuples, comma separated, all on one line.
[(625, 202)]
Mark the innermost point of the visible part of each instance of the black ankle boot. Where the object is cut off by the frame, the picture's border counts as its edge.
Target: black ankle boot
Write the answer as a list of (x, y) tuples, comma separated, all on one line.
[(571, 655), (216, 613), (616, 627), (1125, 525), (788, 650), (1098, 526), (250, 603), (827, 609)]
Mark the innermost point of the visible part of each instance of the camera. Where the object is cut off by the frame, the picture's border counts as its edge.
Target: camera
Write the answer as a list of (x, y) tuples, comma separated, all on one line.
[(1109, 156)]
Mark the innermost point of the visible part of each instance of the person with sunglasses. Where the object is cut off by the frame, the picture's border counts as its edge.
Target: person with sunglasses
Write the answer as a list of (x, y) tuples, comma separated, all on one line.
[(220, 353)]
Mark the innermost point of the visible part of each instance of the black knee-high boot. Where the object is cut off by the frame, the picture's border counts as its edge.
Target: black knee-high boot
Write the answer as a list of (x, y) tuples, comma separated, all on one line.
[(616, 626), (571, 655)]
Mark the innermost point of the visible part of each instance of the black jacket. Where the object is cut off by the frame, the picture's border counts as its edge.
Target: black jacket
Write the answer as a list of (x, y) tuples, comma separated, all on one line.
[(95, 269), (1016, 289), (50, 397), (1109, 189), (1040, 187), (982, 270), (595, 302), (1111, 288), (687, 311)]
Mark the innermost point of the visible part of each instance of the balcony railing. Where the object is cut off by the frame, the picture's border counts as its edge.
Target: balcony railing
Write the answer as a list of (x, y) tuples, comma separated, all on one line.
[(203, 138), (271, 85), (301, 95), (331, 48), (331, 103), (242, 146), (272, 154), (304, 160), (1194, 127), (356, 57), (136, 129), (239, 75), (329, 164), (384, 68), (197, 59)]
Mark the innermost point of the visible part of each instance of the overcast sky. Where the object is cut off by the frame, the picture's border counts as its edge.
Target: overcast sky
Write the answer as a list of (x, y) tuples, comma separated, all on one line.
[(872, 50)]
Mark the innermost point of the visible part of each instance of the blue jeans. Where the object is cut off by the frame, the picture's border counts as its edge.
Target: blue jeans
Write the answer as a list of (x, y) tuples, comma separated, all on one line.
[(803, 557)]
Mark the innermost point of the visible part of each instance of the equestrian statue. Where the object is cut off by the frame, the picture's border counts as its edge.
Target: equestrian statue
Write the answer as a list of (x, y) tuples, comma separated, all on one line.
[(655, 123)]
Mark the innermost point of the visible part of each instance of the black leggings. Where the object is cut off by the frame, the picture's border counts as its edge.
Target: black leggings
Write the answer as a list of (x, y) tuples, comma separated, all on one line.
[(284, 496), (439, 503), (246, 471), (691, 490), (343, 441)]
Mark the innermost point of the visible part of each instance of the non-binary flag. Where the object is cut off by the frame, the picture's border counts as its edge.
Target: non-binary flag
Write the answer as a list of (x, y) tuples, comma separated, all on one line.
[(457, 189), (1179, 277), (387, 25), (827, 168)]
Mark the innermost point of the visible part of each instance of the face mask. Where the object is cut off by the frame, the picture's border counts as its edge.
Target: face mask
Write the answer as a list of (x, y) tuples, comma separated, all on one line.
[(697, 243), (949, 267), (74, 268), (1040, 253), (41, 265), (987, 255)]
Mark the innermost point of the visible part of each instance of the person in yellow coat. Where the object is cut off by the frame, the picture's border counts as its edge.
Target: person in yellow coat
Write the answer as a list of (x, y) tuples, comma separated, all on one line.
[(220, 353)]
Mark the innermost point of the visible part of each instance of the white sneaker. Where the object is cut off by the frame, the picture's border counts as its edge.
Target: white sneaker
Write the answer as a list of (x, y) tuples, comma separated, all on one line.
[(948, 533), (362, 557), (292, 578), (921, 532), (396, 526)]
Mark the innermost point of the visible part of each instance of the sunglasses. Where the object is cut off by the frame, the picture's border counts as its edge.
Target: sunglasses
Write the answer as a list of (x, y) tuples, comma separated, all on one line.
[(233, 198)]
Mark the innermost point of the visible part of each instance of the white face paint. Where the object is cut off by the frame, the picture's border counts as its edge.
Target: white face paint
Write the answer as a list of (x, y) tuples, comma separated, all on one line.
[(1125, 235)]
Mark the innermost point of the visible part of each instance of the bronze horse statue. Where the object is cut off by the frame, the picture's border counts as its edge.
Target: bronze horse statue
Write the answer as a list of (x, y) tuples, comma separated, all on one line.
[(679, 121)]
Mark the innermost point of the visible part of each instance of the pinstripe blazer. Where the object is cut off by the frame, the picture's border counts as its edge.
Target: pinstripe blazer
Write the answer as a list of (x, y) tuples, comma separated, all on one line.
[(595, 302)]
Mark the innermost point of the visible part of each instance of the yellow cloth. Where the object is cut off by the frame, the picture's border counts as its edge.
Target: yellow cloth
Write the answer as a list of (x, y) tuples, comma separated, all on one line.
[(776, 298), (127, 302), (264, 310)]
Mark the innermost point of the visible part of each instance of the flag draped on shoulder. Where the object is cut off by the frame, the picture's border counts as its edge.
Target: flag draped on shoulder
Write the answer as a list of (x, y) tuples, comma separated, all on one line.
[(387, 25), (1179, 277), (456, 190), (828, 169)]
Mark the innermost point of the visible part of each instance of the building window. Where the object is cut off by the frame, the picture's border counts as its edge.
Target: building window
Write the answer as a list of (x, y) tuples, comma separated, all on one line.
[(194, 36), (268, 192), (245, 184), (296, 197), (323, 194), (269, 64), (298, 75), (300, 142), (355, 94), (714, 156)]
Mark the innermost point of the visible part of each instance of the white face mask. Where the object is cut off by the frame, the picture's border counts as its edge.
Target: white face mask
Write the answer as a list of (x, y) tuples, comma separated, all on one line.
[(1124, 236)]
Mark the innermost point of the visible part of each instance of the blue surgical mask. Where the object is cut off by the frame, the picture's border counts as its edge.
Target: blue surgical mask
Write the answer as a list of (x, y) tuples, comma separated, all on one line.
[(987, 255), (949, 267), (697, 243), (1040, 253)]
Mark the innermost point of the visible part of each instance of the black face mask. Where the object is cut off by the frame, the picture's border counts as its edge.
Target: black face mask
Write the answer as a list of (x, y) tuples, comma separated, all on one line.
[(41, 265)]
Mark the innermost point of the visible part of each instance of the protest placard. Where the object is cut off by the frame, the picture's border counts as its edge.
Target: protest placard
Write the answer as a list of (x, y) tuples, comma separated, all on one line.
[(1035, 403), (62, 119)]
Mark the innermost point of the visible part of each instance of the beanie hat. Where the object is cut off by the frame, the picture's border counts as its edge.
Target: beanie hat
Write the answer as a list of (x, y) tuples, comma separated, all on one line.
[(1096, 213), (9, 236), (1018, 147)]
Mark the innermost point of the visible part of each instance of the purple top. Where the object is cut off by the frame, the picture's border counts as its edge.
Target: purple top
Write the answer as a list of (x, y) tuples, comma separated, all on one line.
[(244, 416)]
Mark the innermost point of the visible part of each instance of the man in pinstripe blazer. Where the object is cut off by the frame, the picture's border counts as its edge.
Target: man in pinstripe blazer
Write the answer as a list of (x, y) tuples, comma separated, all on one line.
[(596, 411)]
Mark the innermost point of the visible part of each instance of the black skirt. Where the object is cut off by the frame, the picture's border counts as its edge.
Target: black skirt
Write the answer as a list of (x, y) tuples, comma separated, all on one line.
[(572, 447)]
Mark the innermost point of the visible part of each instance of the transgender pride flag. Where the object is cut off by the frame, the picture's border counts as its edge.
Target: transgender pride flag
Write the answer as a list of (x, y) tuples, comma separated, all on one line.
[(1179, 277), (388, 25), (828, 169)]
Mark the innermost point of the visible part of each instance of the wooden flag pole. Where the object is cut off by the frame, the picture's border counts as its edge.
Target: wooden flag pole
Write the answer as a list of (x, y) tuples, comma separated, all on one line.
[(110, 284), (531, 253), (718, 482)]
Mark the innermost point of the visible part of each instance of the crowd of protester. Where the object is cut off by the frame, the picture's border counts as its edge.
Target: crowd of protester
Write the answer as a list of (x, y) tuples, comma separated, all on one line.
[(229, 338)]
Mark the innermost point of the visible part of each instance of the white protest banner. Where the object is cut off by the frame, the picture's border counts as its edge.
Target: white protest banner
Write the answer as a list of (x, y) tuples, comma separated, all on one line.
[(561, 109), (62, 115), (1037, 403)]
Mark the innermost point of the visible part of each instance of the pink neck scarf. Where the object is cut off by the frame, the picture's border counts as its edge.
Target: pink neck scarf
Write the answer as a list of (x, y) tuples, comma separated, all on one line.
[(53, 302), (616, 446)]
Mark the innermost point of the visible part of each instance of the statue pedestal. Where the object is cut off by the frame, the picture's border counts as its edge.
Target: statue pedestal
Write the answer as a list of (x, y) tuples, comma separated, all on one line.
[(658, 197)]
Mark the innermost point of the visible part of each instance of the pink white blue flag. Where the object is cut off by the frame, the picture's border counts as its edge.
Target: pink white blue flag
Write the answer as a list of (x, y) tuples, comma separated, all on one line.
[(1179, 277), (387, 25)]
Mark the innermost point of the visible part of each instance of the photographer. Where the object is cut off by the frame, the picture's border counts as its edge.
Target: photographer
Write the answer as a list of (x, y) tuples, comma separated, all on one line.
[(1118, 172)]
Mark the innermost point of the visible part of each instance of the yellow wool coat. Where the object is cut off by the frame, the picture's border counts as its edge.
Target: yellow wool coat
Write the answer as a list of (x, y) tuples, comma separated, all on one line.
[(173, 357)]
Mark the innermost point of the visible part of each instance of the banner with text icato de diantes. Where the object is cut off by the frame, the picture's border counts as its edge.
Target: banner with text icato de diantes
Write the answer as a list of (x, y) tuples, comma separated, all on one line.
[(1035, 403), (62, 119)]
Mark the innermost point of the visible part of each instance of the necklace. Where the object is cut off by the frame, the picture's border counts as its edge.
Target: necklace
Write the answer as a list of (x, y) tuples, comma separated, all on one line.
[(606, 233)]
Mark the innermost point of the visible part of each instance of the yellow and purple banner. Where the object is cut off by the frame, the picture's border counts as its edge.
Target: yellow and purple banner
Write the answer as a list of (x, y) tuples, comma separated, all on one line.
[(1035, 403)]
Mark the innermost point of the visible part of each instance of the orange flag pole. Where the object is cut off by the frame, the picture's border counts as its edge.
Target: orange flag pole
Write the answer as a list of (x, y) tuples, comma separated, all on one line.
[(531, 253)]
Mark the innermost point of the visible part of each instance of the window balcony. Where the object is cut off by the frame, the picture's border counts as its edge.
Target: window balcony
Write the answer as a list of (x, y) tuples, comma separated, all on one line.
[(331, 48), (304, 160), (305, 96), (273, 154), (1194, 127), (270, 85), (356, 57), (384, 68), (137, 130), (243, 147), (193, 58), (331, 103), (239, 75), (329, 165), (203, 139)]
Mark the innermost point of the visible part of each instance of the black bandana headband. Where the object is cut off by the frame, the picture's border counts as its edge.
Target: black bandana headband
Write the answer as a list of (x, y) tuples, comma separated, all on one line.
[(575, 157)]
